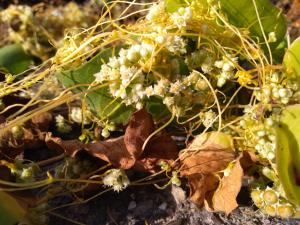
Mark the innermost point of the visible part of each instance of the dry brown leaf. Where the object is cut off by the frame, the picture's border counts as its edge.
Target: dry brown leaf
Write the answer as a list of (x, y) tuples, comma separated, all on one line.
[(140, 126), (70, 147), (248, 159), (126, 151), (162, 147), (224, 198), (201, 186), (208, 154), (113, 151)]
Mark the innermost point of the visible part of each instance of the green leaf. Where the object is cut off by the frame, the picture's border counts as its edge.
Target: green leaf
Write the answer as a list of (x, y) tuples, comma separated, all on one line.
[(99, 101), (288, 152), (242, 13), (10, 210), (174, 5), (13, 59), (156, 108), (291, 60)]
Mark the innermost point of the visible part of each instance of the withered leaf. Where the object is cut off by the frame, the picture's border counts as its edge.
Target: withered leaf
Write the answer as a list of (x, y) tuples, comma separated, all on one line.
[(161, 147), (201, 186), (248, 159), (224, 198), (140, 126), (208, 154), (70, 147), (113, 151), (126, 151)]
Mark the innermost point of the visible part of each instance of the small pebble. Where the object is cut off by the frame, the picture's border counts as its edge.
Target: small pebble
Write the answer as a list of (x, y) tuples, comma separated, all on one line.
[(163, 206), (131, 205)]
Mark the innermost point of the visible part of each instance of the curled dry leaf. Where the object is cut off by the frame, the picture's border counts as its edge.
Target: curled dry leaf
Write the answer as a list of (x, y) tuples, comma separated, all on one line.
[(208, 154), (140, 126), (202, 187), (162, 147), (113, 151), (224, 198), (126, 151)]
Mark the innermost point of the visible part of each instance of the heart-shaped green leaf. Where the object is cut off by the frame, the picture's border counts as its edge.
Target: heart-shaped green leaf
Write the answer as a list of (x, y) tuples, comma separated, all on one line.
[(243, 14), (288, 152), (10, 210), (99, 101), (13, 59), (291, 60)]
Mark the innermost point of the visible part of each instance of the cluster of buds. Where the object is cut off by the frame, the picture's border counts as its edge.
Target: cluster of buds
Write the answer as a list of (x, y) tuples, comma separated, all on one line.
[(226, 66), (271, 203), (275, 91)]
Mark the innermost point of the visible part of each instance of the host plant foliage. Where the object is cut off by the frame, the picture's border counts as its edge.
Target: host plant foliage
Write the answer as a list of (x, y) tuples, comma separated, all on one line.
[(201, 66)]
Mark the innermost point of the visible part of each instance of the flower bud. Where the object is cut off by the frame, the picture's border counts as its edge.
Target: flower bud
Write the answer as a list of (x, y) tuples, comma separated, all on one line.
[(270, 210), (256, 197), (105, 133), (270, 196), (285, 211)]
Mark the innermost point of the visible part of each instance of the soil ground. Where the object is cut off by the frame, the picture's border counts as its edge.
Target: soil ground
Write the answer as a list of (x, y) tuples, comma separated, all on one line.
[(148, 205)]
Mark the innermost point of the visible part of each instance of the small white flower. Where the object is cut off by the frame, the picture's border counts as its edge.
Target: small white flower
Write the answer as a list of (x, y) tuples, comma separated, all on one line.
[(274, 78), (272, 37), (76, 114), (139, 105), (61, 124), (113, 62), (209, 117), (133, 55), (221, 81), (227, 67), (160, 39), (155, 11), (219, 64), (282, 92), (176, 45), (176, 87), (149, 91), (105, 133), (182, 16), (116, 178), (169, 101)]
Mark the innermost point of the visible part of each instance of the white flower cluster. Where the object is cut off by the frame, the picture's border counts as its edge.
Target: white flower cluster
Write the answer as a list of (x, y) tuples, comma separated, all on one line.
[(264, 139), (208, 118), (266, 143), (126, 78), (176, 45), (182, 16), (275, 91), (116, 178), (226, 66)]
